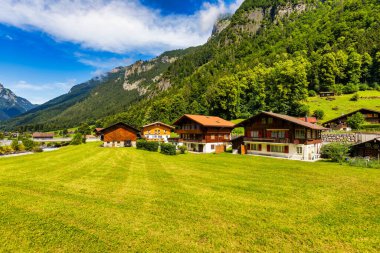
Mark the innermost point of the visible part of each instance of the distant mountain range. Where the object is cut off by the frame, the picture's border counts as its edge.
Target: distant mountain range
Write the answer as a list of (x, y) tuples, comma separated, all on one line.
[(270, 55), (12, 105)]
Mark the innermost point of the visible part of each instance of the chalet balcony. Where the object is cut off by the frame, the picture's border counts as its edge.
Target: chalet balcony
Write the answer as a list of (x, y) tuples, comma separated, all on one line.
[(272, 140), (192, 131), (192, 140), (284, 140)]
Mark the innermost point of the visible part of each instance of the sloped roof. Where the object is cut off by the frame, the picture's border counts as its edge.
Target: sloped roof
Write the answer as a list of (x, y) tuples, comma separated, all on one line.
[(159, 123), (350, 113), (42, 135), (207, 121), (377, 139), (290, 119), (119, 124), (98, 129), (309, 119)]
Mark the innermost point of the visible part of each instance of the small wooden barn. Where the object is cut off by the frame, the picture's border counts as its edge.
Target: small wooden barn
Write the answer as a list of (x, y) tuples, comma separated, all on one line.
[(369, 148), (119, 135), (42, 136)]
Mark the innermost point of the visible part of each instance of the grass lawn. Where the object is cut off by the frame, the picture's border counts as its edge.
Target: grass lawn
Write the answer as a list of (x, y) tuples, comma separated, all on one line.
[(94, 199), (344, 104)]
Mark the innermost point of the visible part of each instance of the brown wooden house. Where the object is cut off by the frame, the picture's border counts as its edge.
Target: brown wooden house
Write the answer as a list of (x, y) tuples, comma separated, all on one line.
[(340, 123), (119, 135), (274, 134), (369, 148), (203, 133)]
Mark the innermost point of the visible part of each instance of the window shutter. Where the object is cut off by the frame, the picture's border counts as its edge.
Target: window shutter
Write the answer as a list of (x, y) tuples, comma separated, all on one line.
[(259, 147), (286, 134), (268, 148), (268, 134), (286, 149)]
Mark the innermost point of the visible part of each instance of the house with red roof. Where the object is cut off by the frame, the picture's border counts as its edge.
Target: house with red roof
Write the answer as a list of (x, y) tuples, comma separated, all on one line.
[(203, 134), (273, 134)]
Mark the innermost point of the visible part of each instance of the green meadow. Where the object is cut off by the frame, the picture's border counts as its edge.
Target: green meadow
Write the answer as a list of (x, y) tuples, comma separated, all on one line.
[(341, 104), (92, 199)]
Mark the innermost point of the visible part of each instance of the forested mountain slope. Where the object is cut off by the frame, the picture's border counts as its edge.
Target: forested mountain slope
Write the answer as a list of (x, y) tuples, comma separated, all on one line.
[(271, 55), (269, 58)]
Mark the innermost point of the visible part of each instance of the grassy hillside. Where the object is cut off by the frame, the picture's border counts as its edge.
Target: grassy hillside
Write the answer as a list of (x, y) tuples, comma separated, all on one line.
[(92, 199), (342, 104)]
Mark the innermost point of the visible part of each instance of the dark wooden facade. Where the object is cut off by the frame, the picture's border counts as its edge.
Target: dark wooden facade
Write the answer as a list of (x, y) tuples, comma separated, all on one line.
[(370, 116), (367, 149), (277, 128), (119, 132)]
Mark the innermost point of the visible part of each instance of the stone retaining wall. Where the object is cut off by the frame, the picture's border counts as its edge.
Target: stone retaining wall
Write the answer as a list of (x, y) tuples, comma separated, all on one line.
[(349, 137)]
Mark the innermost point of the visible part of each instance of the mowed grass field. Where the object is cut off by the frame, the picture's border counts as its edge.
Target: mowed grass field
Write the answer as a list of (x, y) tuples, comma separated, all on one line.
[(344, 105), (93, 199)]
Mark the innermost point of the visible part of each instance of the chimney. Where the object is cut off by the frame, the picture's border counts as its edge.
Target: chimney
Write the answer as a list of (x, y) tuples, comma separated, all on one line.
[(306, 118)]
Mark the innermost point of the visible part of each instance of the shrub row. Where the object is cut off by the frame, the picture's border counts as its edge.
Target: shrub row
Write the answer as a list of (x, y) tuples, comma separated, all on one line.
[(147, 145), (168, 149)]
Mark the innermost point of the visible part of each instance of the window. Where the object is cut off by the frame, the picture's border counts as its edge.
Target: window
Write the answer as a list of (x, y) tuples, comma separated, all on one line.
[(277, 149), (263, 121), (309, 134), (255, 134), (253, 146), (270, 120), (300, 134), (226, 136), (212, 147), (299, 150), (278, 134), (213, 137)]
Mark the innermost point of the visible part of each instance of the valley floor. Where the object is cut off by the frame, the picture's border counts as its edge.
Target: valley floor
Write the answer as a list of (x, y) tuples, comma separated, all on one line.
[(92, 199)]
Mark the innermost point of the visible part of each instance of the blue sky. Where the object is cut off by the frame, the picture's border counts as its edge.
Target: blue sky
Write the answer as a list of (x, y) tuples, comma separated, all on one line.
[(47, 46)]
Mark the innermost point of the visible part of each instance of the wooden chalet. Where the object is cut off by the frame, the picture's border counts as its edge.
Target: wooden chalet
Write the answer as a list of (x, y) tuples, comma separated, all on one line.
[(203, 134), (369, 148), (157, 131), (119, 135), (42, 136), (274, 134), (340, 123)]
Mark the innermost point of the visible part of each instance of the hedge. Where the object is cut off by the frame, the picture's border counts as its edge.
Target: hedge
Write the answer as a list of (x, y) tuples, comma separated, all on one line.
[(168, 149), (147, 145)]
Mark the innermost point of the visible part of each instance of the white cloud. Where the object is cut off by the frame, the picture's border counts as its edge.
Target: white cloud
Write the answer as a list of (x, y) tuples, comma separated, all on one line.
[(33, 92), (103, 65), (114, 25)]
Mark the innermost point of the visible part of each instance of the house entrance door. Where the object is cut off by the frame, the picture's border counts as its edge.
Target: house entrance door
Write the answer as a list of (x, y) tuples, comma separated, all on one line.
[(200, 148)]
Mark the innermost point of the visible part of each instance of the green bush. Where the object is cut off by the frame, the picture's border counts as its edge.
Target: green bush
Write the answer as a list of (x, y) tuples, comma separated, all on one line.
[(37, 149), (355, 97), (182, 149), (15, 145), (312, 93), (319, 114), (336, 151), (77, 139), (147, 145), (29, 144), (168, 149), (356, 120)]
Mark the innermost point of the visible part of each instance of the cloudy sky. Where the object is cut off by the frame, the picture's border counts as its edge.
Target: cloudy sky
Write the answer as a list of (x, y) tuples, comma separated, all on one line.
[(47, 46)]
